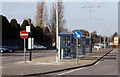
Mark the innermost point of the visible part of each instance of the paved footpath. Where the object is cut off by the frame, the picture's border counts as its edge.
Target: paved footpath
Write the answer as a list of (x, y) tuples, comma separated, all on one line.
[(47, 65)]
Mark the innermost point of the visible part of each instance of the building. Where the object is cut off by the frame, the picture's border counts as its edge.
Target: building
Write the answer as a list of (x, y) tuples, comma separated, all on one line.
[(116, 41)]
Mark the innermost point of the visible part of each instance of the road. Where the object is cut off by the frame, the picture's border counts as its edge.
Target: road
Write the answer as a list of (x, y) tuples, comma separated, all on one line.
[(9, 58), (107, 66)]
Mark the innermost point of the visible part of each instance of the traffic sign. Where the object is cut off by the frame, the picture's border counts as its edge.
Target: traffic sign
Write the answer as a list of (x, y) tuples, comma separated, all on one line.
[(27, 28), (77, 35), (24, 34)]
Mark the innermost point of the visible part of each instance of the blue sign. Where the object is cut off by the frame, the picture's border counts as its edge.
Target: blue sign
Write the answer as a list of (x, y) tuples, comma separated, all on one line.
[(77, 35)]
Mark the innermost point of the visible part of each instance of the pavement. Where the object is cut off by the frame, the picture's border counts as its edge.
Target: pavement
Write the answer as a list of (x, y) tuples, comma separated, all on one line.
[(46, 65)]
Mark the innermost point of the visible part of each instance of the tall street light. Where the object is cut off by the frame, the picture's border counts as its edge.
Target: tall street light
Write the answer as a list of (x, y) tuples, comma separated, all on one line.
[(56, 25), (57, 41), (100, 39), (90, 7)]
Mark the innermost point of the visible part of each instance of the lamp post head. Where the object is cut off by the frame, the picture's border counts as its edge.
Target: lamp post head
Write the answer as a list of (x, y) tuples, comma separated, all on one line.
[(90, 6)]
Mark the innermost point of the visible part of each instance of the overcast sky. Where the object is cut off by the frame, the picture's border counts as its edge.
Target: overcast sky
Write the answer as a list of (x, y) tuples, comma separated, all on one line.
[(104, 19)]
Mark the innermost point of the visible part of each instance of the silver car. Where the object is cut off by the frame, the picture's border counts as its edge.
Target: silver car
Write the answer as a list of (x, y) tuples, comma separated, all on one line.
[(38, 46)]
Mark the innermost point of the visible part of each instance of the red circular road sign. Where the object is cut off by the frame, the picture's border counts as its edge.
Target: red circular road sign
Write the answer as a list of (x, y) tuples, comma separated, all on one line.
[(24, 34)]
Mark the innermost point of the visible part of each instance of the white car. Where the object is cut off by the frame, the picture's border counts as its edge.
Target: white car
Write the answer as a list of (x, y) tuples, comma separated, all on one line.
[(97, 47), (37, 46)]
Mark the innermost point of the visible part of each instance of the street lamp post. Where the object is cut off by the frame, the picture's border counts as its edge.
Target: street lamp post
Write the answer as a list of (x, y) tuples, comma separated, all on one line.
[(57, 40), (90, 7), (100, 38), (90, 23)]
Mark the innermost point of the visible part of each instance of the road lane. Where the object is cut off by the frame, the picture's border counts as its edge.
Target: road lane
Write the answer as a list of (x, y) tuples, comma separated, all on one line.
[(9, 58), (107, 66)]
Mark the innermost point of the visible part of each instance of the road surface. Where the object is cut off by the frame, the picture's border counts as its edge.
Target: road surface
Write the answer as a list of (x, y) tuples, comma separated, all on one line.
[(9, 58), (107, 66)]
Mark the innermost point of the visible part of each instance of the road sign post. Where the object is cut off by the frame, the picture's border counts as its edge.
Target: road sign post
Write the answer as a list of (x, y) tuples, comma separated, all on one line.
[(24, 51), (76, 51), (77, 35), (24, 35)]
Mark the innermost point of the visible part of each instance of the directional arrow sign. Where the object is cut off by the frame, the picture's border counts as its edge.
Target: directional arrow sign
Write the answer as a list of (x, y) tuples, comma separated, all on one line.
[(77, 35)]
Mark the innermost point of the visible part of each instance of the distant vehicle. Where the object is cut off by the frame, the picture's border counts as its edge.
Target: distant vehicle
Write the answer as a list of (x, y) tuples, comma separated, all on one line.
[(13, 48), (97, 47), (5, 49), (38, 46)]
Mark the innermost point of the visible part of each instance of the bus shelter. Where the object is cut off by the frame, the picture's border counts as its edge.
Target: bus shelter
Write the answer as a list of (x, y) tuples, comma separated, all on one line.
[(68, 46)]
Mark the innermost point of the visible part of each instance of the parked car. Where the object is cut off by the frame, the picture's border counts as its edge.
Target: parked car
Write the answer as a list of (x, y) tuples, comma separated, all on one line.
[(13, 48), (98, 47), (4, 49), (38, 46)]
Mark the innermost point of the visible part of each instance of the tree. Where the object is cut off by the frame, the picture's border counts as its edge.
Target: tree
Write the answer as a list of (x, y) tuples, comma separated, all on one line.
[(47, 40), (38, 34), (16, 28), (7, 30), (46, 31), (24, 24), (45, 27), (61, 19), (40, 14), (41, 19), (94, 33), (84, 32), (45, 17), (97, 38), (52, 26)]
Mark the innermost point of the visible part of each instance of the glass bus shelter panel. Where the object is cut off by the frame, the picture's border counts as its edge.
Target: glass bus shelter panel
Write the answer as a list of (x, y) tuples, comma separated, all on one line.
[(83, 48), (88, 45), (67, 45)]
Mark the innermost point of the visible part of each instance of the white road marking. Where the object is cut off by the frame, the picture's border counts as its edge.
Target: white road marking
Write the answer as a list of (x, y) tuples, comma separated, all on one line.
[(71, 71), (75, 70), (96, 63)]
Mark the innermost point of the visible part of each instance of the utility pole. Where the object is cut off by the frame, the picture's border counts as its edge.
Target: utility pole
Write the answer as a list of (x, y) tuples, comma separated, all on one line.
[(57, 40), (90, 7)]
